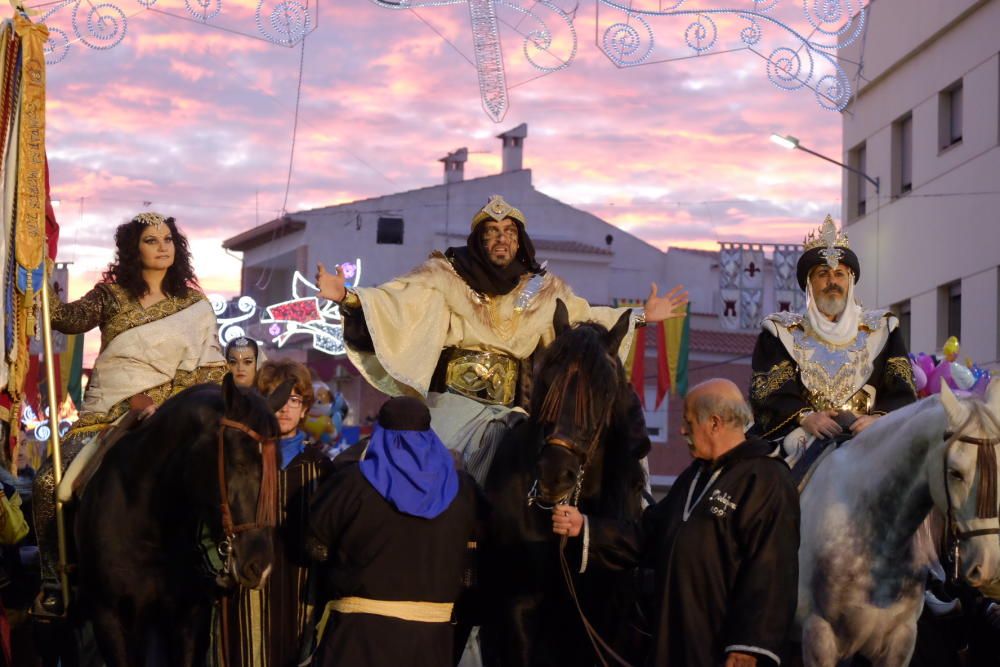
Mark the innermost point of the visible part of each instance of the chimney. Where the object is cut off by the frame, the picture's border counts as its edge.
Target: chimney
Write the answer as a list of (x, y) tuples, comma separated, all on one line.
[(513, 147), (454, 165)]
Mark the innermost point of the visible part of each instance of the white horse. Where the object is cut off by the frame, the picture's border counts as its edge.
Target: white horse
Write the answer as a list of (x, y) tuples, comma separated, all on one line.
[(861, 567)]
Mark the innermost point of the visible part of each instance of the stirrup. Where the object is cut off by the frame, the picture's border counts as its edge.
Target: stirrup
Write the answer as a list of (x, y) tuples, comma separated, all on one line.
[(48, 604)]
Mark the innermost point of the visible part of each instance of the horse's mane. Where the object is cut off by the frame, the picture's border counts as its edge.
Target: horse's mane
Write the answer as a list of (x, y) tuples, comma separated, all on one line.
[(581, 353), (578, 353)]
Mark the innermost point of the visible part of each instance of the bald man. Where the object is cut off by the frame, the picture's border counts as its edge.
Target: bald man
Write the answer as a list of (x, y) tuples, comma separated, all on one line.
[(723, 543)]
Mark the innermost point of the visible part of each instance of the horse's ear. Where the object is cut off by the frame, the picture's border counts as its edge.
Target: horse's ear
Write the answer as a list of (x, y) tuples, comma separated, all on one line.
[(617, 333), (231, 395), (560, 320), (993, 396), (277, 398), (957, 413)]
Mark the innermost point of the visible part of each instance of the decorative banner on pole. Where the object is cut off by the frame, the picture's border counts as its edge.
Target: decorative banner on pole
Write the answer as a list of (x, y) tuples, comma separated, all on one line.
[(787, 294)]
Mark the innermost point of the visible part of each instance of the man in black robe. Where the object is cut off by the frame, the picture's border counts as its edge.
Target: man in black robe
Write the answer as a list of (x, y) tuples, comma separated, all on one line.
[(723, 544), (830, 372), (393, 531)]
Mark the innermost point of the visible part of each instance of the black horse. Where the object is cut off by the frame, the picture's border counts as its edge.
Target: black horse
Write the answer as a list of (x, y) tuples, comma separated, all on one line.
[(179, 508), (582, 445)]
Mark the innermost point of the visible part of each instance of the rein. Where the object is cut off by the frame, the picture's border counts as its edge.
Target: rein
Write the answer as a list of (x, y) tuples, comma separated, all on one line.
[(266, 516), (986, 501), (551, 408), (267, 507)]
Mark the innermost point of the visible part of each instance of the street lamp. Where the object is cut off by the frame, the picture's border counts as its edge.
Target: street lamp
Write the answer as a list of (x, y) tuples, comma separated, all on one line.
[(791, 143)]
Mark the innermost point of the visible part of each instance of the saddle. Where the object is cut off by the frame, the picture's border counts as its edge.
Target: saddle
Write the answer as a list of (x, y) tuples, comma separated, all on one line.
[(803, 468), (86, 463)]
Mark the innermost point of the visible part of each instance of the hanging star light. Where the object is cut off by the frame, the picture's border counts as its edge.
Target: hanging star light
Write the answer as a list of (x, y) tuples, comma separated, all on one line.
[(485, 31)]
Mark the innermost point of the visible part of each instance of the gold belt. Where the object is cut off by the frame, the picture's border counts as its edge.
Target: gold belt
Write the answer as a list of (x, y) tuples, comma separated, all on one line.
[(861, 403), (487, 377)]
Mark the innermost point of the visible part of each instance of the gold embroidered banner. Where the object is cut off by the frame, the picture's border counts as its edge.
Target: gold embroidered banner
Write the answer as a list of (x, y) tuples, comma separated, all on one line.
[(29, 235)]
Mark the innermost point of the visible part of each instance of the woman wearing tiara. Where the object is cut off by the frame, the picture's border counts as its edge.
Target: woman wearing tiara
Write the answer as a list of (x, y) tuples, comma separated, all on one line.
[(243, 359), (158, 337)]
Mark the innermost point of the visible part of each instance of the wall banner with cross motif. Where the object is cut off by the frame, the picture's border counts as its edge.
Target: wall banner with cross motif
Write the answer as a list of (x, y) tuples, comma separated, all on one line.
[(741, 285), (787, 294)]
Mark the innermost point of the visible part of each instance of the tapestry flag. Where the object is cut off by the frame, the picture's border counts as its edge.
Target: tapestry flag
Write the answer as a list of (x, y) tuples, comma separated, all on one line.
[(30, 231)]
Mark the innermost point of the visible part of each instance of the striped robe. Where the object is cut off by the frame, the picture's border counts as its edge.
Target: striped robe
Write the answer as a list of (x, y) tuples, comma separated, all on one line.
[(272, 627)]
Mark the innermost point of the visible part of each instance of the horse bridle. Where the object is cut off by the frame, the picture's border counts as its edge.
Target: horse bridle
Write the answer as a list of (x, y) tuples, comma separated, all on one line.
[(571, 497), (954, 535), (266, 514)]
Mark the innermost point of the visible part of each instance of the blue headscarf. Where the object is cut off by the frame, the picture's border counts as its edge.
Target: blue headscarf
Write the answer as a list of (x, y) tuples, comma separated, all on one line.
[(412, 469), (291, 447)]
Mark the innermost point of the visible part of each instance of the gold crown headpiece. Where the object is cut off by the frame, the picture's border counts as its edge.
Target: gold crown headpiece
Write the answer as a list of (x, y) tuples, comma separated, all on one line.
[(150, 218), (831, 241), (497, 209)]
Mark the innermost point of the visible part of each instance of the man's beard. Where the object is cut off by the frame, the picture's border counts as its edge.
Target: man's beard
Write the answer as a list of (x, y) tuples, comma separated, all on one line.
[(501, 262), (831, 303)]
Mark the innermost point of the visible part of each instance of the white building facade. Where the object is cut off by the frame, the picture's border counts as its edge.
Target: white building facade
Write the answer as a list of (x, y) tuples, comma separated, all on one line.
[(926, 123)]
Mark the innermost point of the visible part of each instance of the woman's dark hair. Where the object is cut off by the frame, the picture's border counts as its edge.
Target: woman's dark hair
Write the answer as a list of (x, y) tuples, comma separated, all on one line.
[(126, 270)]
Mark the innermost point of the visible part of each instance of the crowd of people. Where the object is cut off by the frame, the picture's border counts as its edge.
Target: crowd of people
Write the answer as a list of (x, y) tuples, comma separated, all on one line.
[(375, 545)]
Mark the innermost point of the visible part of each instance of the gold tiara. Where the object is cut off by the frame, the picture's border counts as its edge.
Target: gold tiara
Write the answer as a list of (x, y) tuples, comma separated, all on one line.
[(497, 209), (150, 218)]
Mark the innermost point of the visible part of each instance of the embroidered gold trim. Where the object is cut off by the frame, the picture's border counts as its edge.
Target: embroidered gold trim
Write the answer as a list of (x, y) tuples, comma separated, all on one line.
[(763, 385), (132, 314), (782, 424), (900, 367)]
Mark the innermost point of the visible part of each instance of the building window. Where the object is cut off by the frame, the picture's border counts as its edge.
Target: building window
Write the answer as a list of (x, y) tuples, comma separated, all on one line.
[(902, 136), (902, 311), (390, 231), (857, 191), (955, 310), (950, 115)]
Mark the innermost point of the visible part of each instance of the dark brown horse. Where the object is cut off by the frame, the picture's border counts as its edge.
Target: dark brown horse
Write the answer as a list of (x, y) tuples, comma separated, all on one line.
[(583, 444), (180, 508)]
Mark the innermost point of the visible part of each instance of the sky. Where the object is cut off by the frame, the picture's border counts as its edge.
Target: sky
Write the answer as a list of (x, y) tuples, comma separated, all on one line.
[(196, 121)]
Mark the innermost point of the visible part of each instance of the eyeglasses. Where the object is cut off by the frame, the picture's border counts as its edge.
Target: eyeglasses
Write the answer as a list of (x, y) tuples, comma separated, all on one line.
[(294, 401)]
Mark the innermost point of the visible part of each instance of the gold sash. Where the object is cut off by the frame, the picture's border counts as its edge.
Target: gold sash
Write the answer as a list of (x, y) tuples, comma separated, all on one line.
[(406, 610)]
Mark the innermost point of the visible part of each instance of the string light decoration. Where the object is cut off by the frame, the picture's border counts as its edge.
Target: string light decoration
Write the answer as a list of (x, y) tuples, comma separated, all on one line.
[(805, 61), (305, 313), (802, 57), (105, 25)]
